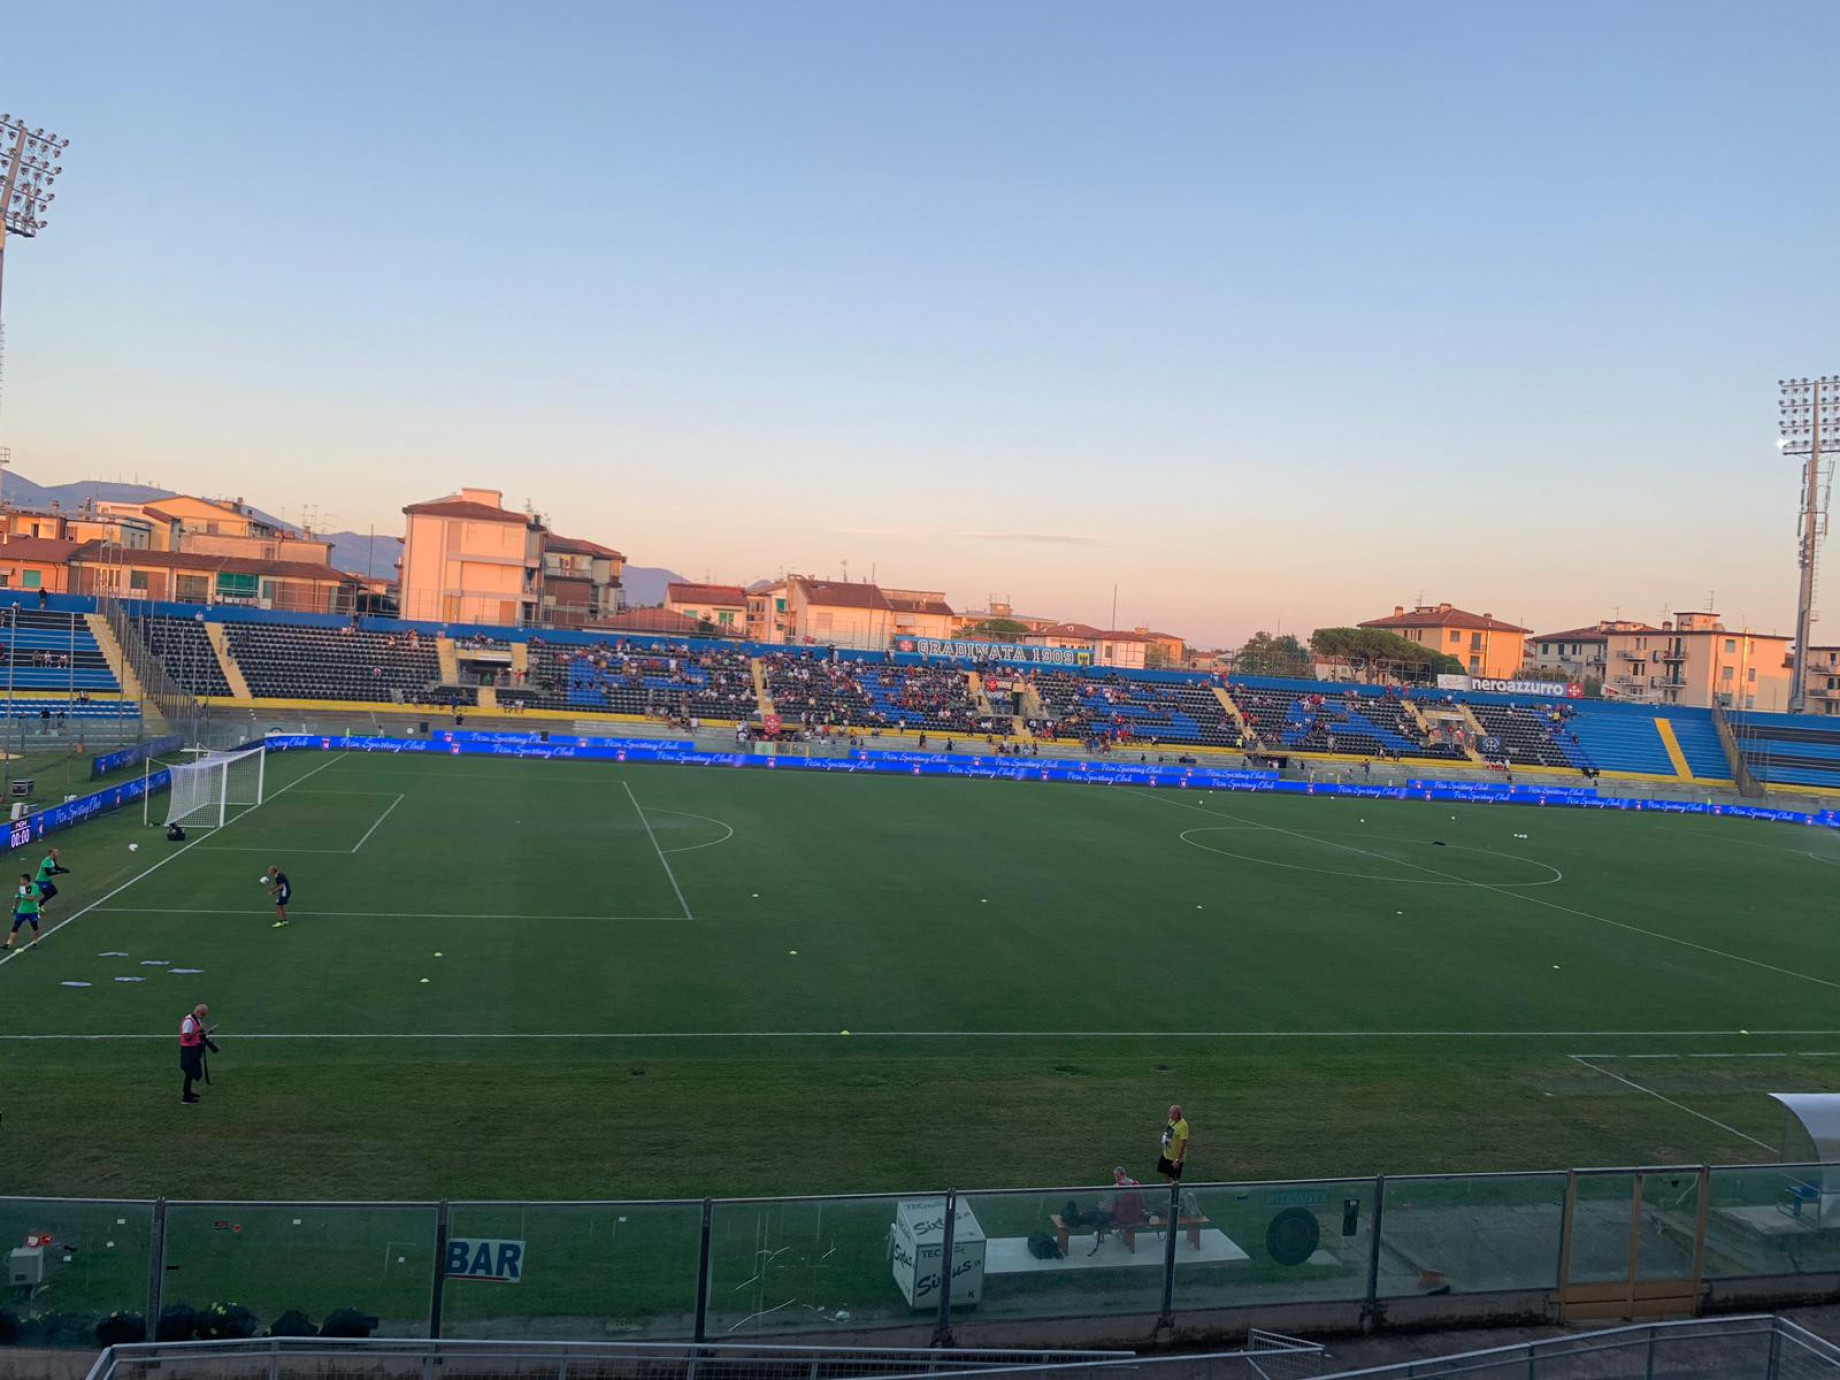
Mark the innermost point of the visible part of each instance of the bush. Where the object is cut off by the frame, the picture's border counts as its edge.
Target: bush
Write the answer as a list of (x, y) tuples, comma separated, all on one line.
[(58, 1330), (178, 1323), (293, 1323), (347, 1322), (119, 1328), (223, 1322)]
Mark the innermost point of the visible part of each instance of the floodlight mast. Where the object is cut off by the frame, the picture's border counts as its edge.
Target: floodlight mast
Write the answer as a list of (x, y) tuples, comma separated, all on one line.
[(25, 186), (1810, 425)]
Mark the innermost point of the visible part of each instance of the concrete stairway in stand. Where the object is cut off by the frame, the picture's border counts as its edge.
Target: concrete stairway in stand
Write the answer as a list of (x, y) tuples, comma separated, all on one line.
[(117, 659), (760, 687), (219, 639)]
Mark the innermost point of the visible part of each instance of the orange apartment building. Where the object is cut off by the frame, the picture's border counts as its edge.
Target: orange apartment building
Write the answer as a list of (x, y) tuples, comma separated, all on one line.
[(724, 608), (34, 563), (196, 577), (1485, 645), (582, 581), (468, 559)]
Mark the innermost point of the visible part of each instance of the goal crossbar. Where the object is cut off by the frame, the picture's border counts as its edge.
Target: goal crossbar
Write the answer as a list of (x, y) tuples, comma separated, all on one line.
[(203, 790)]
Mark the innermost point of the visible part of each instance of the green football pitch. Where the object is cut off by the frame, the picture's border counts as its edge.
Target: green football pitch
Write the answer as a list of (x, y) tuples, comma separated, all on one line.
[(587, 980)]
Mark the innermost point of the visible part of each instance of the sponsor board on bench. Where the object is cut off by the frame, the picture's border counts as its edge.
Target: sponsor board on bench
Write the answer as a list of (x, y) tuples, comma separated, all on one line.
[(488, 1258)]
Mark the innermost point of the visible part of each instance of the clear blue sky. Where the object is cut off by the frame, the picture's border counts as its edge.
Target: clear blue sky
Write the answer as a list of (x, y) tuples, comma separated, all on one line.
[(1260, 311)]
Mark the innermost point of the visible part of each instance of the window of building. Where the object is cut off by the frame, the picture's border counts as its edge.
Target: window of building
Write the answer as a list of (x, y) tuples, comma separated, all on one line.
[(1731, 644), (1455, 636), (1725, 674), (230, 586), (137, 579), (192, 589), (31, 579), (726, 617), (1752, 676), (1475, 642)]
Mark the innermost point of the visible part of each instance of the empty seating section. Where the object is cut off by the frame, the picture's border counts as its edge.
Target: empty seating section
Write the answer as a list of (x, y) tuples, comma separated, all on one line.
[(811, 689), (185, 650), (674, 680), (1619, 738), (53, 652), (1361, 725), (1528, 735), (1699, 744), (283, 661), (1789, 750), (40, 709)]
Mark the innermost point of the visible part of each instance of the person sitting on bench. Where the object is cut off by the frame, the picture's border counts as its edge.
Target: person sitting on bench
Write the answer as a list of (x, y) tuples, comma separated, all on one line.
[(1123, 1210)]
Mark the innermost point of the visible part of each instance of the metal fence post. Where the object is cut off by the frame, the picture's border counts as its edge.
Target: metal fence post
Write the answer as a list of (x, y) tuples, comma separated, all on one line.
[(1373, 1252), (1174, 1222), (942, 1330), (702, 1275), (156, 1269), (1775, 1363), (437, 1290)]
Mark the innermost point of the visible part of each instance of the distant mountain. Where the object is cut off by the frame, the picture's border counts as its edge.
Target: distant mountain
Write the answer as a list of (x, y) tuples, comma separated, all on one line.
[(23, 493), (362, 554), (644, 584)]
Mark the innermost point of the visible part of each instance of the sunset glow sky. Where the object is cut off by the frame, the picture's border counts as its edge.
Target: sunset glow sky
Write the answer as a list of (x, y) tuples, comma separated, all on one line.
[(1264, 313)]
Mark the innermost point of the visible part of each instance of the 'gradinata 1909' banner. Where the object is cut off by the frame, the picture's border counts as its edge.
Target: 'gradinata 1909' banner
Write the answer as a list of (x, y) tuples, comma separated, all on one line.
[(957, 649)]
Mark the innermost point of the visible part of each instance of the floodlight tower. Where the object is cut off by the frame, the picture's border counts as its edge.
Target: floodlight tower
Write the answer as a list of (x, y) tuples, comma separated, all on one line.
[(1810, 424), (27, 169)]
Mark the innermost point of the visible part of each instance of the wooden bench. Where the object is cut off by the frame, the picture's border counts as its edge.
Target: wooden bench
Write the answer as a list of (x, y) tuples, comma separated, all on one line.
[(1127, 1231)]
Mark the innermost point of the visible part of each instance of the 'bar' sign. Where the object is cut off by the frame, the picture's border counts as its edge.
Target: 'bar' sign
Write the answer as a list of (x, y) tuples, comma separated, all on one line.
[(476, 1258)]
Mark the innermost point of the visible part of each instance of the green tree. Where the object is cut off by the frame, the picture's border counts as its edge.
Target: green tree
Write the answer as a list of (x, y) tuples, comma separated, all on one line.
[(1369, 649), (997, 630), (1265, 655)]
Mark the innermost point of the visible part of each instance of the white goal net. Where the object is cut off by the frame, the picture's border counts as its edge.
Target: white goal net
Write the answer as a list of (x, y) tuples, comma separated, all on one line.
[(204, 790)]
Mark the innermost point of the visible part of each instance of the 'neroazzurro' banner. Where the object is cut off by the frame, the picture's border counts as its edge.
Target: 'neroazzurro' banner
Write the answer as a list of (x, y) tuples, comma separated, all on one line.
[(140, 752), (1097, 773)]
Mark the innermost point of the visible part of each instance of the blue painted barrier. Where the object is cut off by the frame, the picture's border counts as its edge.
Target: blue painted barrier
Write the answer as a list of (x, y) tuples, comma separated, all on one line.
[(140, 752)]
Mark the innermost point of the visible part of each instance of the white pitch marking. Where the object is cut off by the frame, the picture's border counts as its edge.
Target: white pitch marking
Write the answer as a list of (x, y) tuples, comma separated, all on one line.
[(640, 809), (1631, 1083), (93, 905), (373, 829), (1557, 875), (376, 914), (1518, 895), (953, 1034), (692, 847)]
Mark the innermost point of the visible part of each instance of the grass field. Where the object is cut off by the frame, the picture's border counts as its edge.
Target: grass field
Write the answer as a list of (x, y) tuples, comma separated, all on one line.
[(574, 980)]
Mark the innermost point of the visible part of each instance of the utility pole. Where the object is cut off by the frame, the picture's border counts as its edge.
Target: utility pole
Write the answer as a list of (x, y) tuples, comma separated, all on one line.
[(1810, 426)]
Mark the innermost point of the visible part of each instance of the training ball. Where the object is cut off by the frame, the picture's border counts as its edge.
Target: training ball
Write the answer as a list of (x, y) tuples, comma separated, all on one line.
[(262, 880), (424, 979), (843, 1032), (134, 848)]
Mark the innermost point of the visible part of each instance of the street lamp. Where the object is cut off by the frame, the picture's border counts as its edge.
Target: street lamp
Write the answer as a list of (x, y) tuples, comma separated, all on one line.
[(31, 165), (1810, 428)]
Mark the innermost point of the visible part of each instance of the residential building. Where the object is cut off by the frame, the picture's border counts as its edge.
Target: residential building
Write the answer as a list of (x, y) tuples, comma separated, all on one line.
[(1163, 649), (652, 620), (35, 563), (1485, 645), (1824, 680), (724, 608), (769, 613), (467, 559), (190, 577), (1582, 653), (921, 613), (74, 525), (214, 527), (838, 613), (1694, 659), (581, 581), (1127, 651)]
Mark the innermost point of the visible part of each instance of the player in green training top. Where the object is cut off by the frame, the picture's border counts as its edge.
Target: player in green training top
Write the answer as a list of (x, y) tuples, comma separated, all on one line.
[(48, 869), (25, 910)]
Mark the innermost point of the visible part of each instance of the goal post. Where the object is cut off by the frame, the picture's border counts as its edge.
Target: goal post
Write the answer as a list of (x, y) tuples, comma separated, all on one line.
[(203, 790)]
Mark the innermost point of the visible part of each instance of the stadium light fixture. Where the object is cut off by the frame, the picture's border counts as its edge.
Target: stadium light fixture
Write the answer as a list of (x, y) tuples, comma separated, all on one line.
[(1809, 427), (31, 160)]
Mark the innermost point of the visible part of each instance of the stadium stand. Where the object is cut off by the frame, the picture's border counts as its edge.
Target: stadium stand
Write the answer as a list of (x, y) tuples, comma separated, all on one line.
[(53, 651), (1789, 749), (1620, 738), (1699, 744), (1116, 706), (812, 689), (282, 661), (1528, 735), (185, 650), (1332, 719), (617, 677)]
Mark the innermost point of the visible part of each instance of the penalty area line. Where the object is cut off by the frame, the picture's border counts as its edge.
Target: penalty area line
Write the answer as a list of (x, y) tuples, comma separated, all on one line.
[(1677, 1106), (177, 853)]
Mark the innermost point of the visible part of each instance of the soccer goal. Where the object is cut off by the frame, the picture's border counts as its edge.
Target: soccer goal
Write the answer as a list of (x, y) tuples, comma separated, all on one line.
[(203, 790)]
